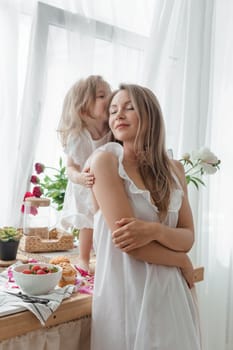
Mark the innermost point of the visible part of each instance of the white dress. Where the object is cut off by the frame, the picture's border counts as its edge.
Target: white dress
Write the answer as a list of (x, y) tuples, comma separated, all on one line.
[(136, 305), (77, 208)]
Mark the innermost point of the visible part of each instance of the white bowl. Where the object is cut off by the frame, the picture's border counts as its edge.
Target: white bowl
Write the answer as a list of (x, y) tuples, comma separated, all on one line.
[(36, 284)]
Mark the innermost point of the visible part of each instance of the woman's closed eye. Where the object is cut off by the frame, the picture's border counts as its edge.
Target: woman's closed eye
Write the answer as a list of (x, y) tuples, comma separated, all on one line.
[(129, 107), (126, 108)]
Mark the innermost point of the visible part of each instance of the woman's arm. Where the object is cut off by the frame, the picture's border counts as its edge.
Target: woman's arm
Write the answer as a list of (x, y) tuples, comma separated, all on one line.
[(114, 203), (108, 189), (133, 233), (77, 176), (155, 253)]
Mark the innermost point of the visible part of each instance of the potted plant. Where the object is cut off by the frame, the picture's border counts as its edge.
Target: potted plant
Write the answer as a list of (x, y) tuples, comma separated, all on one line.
[(9, 242)]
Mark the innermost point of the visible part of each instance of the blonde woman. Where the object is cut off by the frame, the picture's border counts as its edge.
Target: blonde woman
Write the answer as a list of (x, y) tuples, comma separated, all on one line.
[(82, 128), (143, 228)]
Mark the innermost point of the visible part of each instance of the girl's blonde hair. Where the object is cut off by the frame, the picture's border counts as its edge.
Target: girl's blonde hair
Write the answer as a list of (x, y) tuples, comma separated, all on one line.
[(78, 102), (149, 145)]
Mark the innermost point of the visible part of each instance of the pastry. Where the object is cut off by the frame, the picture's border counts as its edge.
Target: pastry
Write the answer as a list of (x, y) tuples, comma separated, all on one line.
[(59, 259), (68, 274)]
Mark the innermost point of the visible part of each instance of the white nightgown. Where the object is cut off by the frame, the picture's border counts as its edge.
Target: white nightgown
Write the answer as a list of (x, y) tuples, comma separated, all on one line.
[(78, 202), (136, 305)]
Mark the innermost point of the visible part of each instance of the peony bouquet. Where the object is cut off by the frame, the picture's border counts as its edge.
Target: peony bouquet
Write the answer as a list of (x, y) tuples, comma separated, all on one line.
[(199, 163)]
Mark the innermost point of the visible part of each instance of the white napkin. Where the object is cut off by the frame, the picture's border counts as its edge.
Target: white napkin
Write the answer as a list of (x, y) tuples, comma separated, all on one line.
[(41, 311)]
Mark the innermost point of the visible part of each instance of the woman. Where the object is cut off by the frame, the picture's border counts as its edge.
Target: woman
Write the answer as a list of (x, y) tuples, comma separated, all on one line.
[(143, 228)]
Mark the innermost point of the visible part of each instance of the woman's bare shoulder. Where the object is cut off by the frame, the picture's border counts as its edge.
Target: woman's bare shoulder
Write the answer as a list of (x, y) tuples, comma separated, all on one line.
[(103, 160)]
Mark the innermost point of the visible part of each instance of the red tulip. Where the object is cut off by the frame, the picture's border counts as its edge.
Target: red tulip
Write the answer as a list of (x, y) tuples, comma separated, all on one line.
[(35, 179), (27, 194), (37, 191), (39, 167)]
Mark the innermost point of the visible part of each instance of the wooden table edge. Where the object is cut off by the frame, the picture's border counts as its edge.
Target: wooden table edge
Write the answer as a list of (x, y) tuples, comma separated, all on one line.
[(77, 306)]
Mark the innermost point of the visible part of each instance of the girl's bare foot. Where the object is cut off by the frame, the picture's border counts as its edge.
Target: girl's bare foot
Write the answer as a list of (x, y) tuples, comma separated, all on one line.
[(91, 269), (84, 265)]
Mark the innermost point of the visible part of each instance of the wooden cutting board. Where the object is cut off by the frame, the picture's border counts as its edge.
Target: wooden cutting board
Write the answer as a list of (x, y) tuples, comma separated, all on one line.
[(6, 263)]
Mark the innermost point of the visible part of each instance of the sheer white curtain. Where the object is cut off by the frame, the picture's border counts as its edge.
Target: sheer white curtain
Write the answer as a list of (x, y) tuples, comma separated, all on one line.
[(215, 232), (178, 68), (12, 67), (189, 66)]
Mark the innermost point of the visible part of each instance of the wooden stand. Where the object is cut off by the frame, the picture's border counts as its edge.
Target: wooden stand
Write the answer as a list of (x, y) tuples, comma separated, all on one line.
[(198, 274)]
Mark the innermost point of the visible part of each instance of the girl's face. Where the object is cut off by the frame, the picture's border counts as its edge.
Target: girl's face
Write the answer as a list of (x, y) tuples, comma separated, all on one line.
[(98, 110), (123, 120)]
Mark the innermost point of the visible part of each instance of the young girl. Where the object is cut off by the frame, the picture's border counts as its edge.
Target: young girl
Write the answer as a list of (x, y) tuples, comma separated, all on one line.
[(83, 127)]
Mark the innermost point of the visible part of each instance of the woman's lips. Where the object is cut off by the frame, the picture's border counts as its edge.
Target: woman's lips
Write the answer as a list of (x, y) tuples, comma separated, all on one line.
[(119, 126)]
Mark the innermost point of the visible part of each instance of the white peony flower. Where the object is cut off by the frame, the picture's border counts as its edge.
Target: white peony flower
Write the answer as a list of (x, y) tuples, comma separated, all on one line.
[(186, 156), (208, 168), (205, 155), (201, 161)]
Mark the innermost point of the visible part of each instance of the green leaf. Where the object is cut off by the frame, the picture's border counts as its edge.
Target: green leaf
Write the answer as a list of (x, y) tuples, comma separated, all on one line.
[(60, 162), (188, 179), (197, 179), (195, 183)]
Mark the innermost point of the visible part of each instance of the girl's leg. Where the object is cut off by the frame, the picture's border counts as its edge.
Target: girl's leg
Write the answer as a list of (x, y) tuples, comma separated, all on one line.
[(85, 246)]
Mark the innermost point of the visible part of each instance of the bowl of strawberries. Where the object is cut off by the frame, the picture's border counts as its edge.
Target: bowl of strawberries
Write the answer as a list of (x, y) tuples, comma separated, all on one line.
[(37, 278)]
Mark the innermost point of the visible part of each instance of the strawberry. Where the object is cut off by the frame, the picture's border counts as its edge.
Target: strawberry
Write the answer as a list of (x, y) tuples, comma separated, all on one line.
[(35, 268)]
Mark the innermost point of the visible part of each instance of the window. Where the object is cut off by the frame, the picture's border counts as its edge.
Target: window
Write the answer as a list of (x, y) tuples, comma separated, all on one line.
[(68, 47)]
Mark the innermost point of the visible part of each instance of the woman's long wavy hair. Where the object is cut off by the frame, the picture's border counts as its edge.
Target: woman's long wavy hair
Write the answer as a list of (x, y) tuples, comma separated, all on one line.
[(78, 102), (149, 145)]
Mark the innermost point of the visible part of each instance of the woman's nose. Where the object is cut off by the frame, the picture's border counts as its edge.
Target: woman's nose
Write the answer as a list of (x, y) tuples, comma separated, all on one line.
[(120, 114)]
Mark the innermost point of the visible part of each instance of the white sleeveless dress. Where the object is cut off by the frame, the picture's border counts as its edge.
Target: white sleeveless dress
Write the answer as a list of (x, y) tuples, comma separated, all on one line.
[(78, 202), (136, 305)]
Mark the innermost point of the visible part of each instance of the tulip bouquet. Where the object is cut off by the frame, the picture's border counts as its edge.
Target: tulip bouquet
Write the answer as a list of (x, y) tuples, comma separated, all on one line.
[(51, 186), (199, 163)]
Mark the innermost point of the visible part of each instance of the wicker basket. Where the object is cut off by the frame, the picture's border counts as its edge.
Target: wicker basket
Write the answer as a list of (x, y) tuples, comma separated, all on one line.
[(58, 241)]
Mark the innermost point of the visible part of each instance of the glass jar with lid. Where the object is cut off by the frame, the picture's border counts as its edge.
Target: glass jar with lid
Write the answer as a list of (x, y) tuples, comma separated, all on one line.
[(36, 217)]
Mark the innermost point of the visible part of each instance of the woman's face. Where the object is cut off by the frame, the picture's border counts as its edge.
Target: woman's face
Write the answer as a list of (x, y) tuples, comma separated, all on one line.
[(123, 119)]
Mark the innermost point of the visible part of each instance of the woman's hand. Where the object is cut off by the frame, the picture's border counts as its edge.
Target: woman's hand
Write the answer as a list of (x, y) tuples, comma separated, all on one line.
[(131, 234)]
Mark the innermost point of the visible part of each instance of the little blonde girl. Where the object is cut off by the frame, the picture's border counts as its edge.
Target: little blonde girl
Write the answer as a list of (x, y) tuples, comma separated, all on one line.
[(83, 127)]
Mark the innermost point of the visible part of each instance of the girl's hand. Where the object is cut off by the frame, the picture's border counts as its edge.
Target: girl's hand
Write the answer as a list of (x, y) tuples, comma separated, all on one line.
[(131, 234), (87, 179), (188, 272)]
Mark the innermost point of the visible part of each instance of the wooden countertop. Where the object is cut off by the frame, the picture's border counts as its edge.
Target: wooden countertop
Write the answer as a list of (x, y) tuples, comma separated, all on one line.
[(77, 306)]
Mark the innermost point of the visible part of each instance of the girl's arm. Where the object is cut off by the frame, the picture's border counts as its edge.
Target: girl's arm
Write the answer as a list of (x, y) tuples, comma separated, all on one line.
[(133, 233), (77, 176), (114, 203)]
